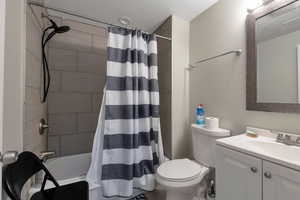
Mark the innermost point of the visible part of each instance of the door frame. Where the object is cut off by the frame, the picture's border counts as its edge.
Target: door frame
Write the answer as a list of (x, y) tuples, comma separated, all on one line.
[(13, 83), (12, 76), (2, 50), (298, 71)]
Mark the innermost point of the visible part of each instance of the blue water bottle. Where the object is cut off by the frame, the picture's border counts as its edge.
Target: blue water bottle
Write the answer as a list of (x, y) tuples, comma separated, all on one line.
[(200, 115)]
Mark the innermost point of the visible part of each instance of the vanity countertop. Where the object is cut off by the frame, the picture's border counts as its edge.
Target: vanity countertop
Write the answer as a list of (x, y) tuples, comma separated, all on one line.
[(264, 147)]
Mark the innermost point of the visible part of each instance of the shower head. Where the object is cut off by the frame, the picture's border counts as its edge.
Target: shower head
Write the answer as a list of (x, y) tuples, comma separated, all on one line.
[(62, 29), (46, 37), (58, 29)]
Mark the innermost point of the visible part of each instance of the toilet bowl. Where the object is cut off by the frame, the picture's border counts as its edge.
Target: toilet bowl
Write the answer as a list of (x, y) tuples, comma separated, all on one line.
[(184, 179)]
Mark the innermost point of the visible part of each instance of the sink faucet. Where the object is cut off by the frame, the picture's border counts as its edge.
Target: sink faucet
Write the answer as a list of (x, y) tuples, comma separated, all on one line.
[(288, 140), (280, 137)]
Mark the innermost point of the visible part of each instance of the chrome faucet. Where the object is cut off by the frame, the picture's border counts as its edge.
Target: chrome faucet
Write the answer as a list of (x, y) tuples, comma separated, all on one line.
[(45, 155), (288, 139), (280, 137)]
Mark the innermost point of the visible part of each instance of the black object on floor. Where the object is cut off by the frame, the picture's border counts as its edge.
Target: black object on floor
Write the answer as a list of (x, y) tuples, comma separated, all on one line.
[(139, 197), (15, 175)]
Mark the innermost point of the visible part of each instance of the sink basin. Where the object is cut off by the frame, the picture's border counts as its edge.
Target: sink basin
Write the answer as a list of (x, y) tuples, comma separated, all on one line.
[(275, 149), (266, 148)]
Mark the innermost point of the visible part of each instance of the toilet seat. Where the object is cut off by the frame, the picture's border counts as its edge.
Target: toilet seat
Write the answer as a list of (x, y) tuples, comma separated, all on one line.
[(180, 173)]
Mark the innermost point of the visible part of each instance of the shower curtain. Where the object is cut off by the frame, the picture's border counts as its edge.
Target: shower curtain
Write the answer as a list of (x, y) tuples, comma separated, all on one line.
[(127, 145)]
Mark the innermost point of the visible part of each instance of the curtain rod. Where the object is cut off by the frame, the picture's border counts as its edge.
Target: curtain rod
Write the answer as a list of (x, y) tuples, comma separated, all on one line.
[(33, 3), (237, 52)]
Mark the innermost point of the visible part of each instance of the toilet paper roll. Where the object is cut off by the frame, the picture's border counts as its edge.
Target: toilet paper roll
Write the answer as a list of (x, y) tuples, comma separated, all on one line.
[(211, 123)]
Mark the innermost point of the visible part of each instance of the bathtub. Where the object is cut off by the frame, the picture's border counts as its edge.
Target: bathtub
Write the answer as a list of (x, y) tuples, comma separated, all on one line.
[(66, 170), (70, 169)]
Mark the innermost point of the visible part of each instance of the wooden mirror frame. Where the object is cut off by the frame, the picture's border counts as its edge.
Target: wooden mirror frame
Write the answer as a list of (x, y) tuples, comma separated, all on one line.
[(251, 95)]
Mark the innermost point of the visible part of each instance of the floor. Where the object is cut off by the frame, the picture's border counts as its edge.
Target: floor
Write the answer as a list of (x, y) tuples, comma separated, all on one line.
[(156, 195)]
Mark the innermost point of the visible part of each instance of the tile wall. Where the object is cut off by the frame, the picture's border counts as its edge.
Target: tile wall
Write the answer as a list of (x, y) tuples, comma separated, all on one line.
[(77, 61), (34, 110)]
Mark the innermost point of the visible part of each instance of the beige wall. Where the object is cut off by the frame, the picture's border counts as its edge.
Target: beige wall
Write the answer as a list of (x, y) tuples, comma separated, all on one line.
[(221, 84), (173, 58), (180, 88), (77, 61), (165, 83), (34, 110)]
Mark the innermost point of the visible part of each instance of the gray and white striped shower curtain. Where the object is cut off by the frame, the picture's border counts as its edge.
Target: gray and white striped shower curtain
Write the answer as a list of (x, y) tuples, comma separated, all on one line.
[(131, 140)]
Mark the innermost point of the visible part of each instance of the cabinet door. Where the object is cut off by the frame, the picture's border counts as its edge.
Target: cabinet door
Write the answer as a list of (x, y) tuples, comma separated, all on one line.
[(280, 182), (238, 176)]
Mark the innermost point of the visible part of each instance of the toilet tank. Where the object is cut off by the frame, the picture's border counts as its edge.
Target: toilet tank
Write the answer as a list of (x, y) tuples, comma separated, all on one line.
[(204, 142)]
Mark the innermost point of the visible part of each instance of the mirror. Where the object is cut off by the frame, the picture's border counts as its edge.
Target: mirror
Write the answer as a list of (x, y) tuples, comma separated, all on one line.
[(278, 54), (273, 71)]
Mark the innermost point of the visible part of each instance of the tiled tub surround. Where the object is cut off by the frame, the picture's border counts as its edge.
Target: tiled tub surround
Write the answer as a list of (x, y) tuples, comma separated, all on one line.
[(77, 61), (34, 110)]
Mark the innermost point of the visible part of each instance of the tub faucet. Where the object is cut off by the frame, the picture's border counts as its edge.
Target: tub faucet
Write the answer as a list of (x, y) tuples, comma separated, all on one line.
[(45, 155)]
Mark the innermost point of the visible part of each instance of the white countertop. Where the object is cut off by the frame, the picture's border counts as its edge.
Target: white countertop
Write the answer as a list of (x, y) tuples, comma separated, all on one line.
[(264, 147)]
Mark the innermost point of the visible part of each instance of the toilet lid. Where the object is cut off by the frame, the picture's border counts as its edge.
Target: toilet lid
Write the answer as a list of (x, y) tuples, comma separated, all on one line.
[(180, 170)]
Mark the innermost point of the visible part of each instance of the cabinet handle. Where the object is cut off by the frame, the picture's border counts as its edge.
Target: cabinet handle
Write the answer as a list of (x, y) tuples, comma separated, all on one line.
[(253, 169), (268, 175)]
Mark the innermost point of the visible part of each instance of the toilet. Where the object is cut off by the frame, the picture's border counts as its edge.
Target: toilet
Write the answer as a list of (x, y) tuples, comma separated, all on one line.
[(184, 179)]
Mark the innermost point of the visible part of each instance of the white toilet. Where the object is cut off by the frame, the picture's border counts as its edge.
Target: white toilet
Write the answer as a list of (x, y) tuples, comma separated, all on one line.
[(183, 179)]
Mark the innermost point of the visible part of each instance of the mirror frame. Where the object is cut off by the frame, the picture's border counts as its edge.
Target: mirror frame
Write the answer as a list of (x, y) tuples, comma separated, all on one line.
[(251, 83)]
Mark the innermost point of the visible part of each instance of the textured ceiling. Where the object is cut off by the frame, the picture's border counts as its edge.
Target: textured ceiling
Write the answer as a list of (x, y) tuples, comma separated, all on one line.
[(144, 14)]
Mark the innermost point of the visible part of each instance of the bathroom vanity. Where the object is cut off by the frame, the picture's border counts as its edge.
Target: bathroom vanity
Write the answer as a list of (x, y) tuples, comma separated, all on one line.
[(257, 169)]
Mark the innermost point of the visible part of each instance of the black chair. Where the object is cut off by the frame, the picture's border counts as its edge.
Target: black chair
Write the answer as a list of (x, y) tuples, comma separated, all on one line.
[(15, 175)]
